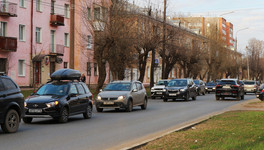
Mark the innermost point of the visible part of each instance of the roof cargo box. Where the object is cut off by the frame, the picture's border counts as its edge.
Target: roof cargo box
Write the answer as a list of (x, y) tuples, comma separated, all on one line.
[(66, 74)]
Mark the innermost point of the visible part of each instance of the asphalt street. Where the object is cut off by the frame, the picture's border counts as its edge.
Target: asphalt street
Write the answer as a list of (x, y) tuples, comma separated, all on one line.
[(110, 128)]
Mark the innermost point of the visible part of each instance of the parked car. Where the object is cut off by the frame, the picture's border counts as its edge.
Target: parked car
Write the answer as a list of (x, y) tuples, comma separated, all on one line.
[(250, 86), (158, 89), (200, 87), (180, 89), (260, 92), (11, 104), (122, 94), (210, 87), (60, 98), (229, 88)]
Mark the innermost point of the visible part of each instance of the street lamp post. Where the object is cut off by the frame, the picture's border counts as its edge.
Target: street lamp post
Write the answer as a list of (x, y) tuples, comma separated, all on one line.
[(247, 64), (239, 31)]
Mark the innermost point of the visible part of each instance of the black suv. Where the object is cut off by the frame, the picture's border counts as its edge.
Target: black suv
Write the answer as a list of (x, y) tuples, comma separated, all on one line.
[(60, 98), (11, 104), (180, 89), (229, 88)]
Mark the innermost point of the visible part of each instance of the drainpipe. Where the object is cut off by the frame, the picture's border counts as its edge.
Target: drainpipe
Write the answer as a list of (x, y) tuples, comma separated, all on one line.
[(31, 45), (72, 34)]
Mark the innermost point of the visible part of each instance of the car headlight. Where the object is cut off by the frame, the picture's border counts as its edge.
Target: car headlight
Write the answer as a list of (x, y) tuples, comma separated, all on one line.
[(121, 98), (206, 88), (164, 90), (99, 97), (25, 104), (182, 90), (152, 89), (214, 88), (52, 104)]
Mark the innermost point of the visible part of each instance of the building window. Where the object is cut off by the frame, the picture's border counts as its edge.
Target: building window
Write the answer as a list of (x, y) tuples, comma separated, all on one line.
[(22, 32), (38, 35), (21, 67), (89, 69), (22, 3), (89, 41), (97, 13), (65, 65), (95, 69), (3, 29), (66, 39), (89, 17), (52, 41), (66, 11), (38, 7)]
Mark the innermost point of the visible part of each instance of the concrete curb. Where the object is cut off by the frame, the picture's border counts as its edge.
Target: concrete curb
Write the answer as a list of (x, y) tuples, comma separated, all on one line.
[(137, 143)]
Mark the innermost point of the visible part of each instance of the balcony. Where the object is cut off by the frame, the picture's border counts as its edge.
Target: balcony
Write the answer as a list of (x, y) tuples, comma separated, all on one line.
[(8, 44), (8, 9), (56, 50), (56, 20)]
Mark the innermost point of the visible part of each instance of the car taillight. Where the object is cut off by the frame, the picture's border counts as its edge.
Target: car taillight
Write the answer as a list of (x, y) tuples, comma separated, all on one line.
[(218, 85), (262, 90)]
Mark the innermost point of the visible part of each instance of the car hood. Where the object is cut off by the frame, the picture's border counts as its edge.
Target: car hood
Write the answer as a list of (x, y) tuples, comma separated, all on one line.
[(159, 86), (113, 93), (177, 88), (210, 86), (42, 98)]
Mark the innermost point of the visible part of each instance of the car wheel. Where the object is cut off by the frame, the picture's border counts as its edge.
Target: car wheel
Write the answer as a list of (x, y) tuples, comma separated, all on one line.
[(99, 109), (217, 97), (129, 107), (187, 97), (204, 93), (194, 98), (144, 106), (27, 119), (165, 99), (208, 92), (242, 97), (64, 115), (11, 122), (245, 93), (89, 112)]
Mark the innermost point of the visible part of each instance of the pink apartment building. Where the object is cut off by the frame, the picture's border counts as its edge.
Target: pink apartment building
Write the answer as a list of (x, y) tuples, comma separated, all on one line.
[(35, 40)]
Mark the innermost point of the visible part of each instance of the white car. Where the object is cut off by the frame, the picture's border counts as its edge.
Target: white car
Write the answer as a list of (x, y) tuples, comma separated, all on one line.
[(158, 89)]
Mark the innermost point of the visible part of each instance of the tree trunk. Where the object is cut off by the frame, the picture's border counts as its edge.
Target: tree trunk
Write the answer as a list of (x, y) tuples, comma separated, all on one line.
[(152, 68), (142, 66), (102, 76)]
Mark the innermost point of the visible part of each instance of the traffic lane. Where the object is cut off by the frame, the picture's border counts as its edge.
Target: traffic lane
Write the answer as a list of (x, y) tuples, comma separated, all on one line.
[(111, 128)]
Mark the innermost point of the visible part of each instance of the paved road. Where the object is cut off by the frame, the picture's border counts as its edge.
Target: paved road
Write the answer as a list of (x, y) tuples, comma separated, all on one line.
[(110, 128)]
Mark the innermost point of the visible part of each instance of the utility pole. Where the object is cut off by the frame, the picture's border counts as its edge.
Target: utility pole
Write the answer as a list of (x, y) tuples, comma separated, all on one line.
[(164, 39), (247, 64)]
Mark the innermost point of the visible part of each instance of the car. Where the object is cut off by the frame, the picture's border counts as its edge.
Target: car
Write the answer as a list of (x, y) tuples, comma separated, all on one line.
[(200, 87), (250, 86), (11, 104), (180, 89), (60, 98), (158, 89), (210, 87), (122, 95), (229, 88), (260, 92)]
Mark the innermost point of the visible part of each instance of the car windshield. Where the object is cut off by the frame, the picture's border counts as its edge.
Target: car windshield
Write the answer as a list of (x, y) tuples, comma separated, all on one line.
[(162, 83), (53, 89), (118, 87), (230, 82), (249, 82), (211, 84), (177, 83), (196, 82)]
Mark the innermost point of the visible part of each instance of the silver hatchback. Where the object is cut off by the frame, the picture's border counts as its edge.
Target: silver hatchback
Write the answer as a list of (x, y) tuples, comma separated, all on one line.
[(122, 94)]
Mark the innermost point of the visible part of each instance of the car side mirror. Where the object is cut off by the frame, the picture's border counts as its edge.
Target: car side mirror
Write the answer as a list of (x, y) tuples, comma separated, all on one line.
[(134, 90), (100, 90)]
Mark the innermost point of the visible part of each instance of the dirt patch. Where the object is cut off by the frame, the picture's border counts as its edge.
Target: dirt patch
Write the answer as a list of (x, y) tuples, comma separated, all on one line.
[(258, 104)]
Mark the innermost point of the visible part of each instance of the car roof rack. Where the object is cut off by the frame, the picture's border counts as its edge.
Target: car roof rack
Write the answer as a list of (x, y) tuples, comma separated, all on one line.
[(65, 74)]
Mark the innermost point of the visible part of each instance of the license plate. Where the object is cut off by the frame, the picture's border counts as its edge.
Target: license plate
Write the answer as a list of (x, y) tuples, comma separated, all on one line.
[(159, 93), (209, 90), (35, 110), (172, 94), (108, 103)]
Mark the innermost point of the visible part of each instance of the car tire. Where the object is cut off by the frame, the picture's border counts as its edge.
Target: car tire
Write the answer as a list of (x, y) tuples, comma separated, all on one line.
[(204, 93), (11, 121), (217, 98), (194, 98), (129, 106), (187, 97), (165, 99), (88, 113), (64, 115), (27, 120), (144, 106), (99, 109)]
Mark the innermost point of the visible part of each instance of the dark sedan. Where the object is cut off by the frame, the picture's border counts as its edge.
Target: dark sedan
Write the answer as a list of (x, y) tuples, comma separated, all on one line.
[(180, 89), (210, 87), (260, 93)]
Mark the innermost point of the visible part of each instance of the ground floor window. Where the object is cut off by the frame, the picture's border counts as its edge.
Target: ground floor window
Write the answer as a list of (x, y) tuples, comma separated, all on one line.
[(21, 67)]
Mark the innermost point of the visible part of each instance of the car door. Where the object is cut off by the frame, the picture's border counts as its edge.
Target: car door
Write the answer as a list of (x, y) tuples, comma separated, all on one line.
[(82, 98), (73, 99), (135, 94), (141, 93)]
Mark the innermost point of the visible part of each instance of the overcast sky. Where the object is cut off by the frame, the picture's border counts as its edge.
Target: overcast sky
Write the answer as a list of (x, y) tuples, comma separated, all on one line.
[(242, 13)]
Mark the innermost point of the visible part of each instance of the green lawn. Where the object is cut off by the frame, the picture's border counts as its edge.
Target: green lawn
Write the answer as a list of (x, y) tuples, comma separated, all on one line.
[(26, 93), (239, 130)]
